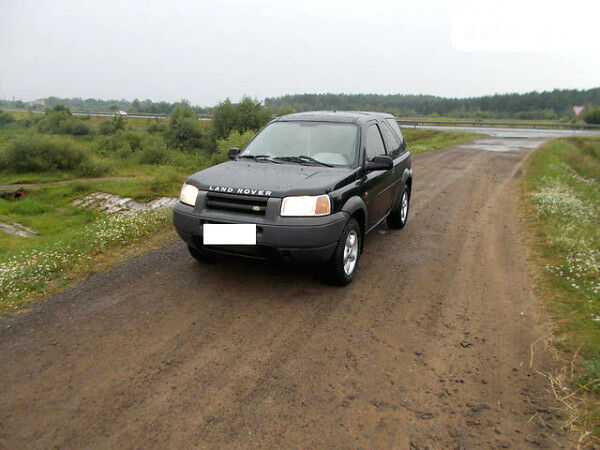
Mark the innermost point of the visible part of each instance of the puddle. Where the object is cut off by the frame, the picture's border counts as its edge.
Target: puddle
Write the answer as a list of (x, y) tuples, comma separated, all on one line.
[(506, 144)]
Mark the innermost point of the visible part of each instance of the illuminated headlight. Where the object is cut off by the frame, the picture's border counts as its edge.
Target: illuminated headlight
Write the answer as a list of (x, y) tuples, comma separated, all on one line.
[(188, 194), (319, 205)]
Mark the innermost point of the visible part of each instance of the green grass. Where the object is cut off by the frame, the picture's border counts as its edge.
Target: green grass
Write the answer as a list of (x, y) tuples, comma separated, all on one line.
[(421, 140), (562, 205), (56, 264)]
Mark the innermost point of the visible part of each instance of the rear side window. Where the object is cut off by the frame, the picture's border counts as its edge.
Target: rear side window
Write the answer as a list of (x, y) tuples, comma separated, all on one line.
[(392, 123), (374, 145), (392, 141)]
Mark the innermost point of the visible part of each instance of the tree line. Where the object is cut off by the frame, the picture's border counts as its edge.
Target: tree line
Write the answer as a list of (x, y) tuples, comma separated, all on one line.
[(77, 104), (547, 105)]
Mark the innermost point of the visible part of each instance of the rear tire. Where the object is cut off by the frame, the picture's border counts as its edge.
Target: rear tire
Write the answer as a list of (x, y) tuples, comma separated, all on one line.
[(200, 256), (344, 262), (398, 218)]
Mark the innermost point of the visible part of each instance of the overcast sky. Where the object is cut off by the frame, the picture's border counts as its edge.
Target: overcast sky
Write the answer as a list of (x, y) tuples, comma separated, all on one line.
[(206, 51)]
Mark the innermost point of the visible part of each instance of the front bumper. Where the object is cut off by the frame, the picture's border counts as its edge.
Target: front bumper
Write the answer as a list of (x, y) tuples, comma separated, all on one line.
[(298, 239)]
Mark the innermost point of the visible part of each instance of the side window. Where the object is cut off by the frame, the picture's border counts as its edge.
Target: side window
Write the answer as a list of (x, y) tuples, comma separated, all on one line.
[(392, 142), (374, 143), (392, 123)]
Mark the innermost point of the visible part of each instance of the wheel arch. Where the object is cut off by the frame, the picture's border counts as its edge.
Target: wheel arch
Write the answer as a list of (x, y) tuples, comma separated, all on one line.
[(356, 208)]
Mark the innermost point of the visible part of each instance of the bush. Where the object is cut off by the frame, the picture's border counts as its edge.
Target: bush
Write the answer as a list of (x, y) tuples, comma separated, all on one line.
[(123, 143), (592, 116), (154, 151), (43, 153), (184, 130), (54, 120), (59, 120), (105, 127), (31, 119), (157, 126), (235, 139), (6, 118), (111, 126), (76, 127), (91, 168), (243, 116), (167, 181), (284, 110)]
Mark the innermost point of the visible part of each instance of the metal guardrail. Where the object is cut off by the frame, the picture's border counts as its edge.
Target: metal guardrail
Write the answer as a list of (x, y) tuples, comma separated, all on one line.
[(534, 125), (109, 114)]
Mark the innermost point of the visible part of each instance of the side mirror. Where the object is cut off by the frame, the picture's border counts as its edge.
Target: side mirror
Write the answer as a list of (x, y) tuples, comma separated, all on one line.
[(233, 152), (382, 162)]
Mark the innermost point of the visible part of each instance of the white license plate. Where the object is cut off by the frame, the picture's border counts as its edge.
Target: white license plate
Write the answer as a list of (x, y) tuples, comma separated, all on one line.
[(229, 234)]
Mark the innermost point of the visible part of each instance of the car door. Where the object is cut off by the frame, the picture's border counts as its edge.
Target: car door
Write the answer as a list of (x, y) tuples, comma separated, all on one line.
[(376, 195), (396, 150)]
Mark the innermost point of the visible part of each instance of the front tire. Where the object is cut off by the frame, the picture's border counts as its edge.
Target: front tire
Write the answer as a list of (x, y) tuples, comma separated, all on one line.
[(398, 218), (200, 256), (344, 262)]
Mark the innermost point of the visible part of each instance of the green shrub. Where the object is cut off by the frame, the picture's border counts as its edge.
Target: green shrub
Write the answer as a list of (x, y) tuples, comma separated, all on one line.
[(167, 181), (91, 168), (31, 120), (235, 139), (154, 151), (59, 120), (105, 127), (124, 143), (244, 116), (6, 118), (111, 126), (43, 153), (592, 116), (76, 127), (54, 120), (184, 130), (157, 126)]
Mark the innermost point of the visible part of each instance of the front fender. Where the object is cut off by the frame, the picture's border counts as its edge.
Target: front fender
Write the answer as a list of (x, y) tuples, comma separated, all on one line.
[(353, 204)]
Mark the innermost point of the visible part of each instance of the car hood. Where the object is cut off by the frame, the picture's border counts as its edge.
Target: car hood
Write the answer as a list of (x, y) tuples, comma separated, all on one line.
[(270, 179)]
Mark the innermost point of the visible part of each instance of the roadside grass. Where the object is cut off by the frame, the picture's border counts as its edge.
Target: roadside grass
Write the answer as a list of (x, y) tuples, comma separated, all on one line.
[(421, 140), (561, 198), (51, 266)]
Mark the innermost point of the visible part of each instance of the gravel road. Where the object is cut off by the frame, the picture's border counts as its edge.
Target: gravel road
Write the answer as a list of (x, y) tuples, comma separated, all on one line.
[(429, 347)]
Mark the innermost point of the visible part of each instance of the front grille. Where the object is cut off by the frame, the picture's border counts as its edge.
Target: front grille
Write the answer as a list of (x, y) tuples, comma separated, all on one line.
[(237, 203)]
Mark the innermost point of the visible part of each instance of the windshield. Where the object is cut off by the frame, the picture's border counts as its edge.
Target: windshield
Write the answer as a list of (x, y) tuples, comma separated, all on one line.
[(327, 143)]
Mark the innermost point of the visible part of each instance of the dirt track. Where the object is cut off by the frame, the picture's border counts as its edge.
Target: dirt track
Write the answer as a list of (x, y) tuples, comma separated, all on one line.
[(429, 347)]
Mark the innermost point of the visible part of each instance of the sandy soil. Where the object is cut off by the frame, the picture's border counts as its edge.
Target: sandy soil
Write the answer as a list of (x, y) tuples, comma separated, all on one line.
[(428, 348)]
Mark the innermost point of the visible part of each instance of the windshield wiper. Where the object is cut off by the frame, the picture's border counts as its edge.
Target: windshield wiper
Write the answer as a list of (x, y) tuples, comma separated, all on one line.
[(260, 158), (303, 159)]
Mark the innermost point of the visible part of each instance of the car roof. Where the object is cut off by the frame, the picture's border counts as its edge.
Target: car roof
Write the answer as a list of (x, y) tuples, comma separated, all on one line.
[(334, 116)]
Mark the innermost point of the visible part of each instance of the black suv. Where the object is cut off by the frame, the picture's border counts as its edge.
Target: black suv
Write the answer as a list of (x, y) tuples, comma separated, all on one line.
[(307, 188)]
